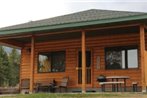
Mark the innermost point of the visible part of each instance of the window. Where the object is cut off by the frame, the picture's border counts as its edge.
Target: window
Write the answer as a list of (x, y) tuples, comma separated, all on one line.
[(51, 62), (121, 57)]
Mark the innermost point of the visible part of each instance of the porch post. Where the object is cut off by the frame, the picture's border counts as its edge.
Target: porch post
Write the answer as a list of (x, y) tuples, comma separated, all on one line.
[(32, 64), (83, 63), (142, 51)]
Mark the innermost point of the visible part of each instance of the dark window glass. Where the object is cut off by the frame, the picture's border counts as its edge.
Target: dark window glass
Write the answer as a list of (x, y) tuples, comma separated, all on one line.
[(51, 62), (88, 59), (88, 65), (58, 61), (121, 58)]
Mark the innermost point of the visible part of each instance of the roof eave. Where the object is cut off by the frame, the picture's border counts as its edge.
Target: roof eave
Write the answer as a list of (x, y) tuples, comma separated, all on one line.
[(73, 25)]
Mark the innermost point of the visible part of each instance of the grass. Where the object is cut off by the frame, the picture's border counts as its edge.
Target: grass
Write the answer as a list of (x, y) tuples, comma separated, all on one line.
[(78, 95)]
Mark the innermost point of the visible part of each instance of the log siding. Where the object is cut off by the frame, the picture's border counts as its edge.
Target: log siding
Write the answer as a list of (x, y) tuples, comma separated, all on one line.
[(97, 44)]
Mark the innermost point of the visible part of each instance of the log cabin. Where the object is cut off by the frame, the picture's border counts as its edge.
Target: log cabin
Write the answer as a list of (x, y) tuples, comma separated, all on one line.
[(82, 46)]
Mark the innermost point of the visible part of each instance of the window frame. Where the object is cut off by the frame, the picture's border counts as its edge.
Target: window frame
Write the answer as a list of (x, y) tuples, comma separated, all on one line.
[(51, 52), (126, 48)]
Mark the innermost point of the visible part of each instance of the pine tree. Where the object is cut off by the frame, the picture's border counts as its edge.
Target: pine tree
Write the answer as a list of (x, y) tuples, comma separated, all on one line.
[(14, 61), (4, 67)]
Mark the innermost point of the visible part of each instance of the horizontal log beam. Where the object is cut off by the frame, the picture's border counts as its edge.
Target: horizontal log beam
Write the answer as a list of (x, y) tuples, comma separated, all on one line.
[(14, 36), (88, 29), (67, 31), (11, 43)]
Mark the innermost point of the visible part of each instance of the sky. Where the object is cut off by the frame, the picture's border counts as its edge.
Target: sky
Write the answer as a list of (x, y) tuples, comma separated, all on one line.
[(20, 11)]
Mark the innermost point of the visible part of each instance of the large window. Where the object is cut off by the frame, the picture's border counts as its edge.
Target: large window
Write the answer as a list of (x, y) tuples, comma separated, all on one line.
[(51, 62), (121, 57)]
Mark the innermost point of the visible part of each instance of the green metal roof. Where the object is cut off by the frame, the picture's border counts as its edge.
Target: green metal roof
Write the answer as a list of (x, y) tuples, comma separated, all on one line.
[(84, 18)]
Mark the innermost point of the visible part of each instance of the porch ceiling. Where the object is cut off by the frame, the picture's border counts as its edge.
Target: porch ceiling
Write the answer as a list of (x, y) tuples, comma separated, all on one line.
[(52, 37), (77, 35)]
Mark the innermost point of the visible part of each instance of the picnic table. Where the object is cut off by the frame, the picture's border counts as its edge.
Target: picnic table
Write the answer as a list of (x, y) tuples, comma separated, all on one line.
[(117, 79)]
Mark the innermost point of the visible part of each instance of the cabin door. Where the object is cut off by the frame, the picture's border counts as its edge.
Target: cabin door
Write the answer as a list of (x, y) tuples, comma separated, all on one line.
[(88, 67)]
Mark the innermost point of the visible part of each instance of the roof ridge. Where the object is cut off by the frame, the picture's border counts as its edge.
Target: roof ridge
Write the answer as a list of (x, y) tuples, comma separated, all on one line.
[(31, 21), (83, 12), (63, 15)]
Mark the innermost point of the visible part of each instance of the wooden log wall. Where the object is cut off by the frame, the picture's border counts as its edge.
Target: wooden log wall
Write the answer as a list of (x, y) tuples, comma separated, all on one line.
[(97, 44)]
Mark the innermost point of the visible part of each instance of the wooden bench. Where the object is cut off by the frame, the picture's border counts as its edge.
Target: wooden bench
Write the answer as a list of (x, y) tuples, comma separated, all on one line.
[(113, 83), (43, 85), (48, 87), (64, 83)]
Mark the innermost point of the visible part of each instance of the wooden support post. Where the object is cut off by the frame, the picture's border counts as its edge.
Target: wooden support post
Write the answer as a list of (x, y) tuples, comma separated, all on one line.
[(32, 64), (142, 51), (146, 68), (83, 63)]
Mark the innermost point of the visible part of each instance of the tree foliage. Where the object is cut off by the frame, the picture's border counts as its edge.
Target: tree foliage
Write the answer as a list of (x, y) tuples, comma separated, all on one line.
[(14, 60), (4, 67), (9, 67)]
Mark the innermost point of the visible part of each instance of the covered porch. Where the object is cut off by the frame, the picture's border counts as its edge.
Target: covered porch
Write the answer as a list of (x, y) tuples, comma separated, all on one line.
[(84, 52)]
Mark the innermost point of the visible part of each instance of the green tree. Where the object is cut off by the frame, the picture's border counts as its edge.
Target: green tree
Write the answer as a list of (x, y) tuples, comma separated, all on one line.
[(4, 67), (14, 61)]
